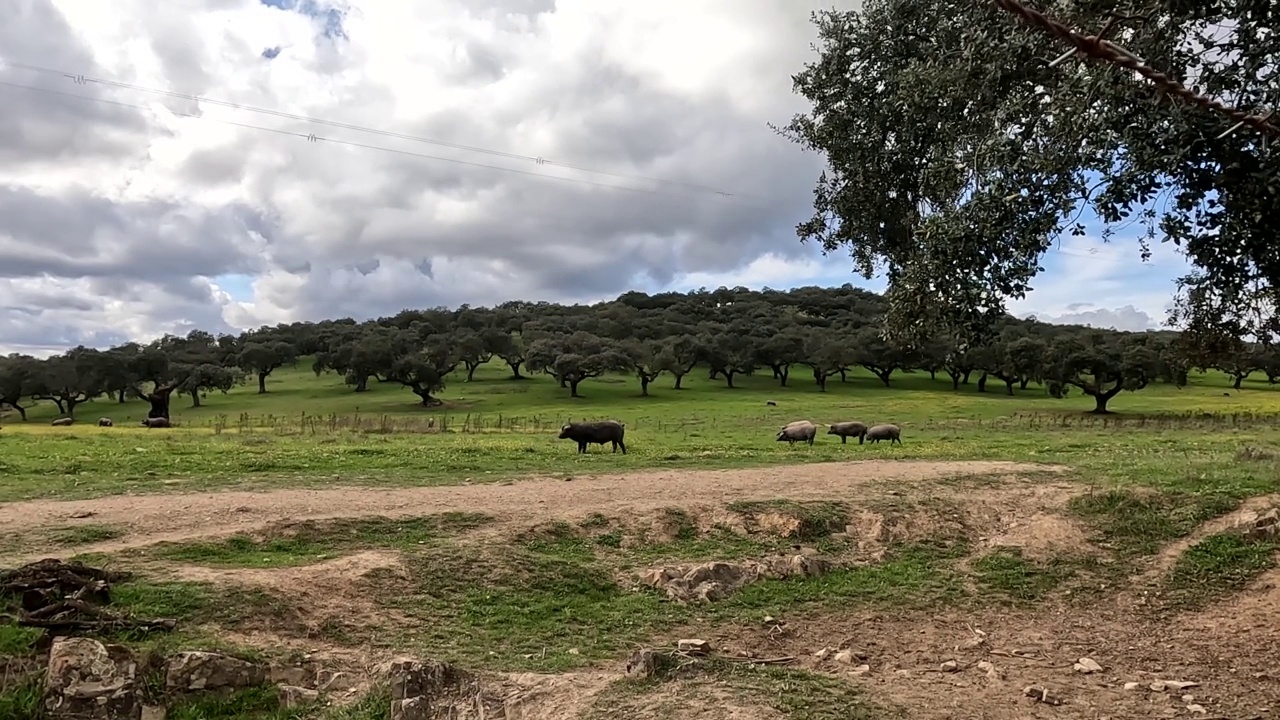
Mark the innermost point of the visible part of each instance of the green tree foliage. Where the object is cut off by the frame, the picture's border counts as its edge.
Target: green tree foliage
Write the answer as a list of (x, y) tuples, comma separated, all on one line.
[(956, 155)]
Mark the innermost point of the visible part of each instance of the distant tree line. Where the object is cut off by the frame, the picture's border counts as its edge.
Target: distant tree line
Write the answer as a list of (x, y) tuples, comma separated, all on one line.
[(822, 333)]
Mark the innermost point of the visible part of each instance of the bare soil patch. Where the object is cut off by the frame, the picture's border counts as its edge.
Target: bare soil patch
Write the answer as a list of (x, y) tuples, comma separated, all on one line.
[(905, 655), (185, 516)]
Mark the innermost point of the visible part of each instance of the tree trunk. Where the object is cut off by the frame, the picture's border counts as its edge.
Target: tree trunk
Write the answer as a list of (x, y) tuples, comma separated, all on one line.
[(843, 377), (159, 399), (1100, 400), (679, 380), (821, 379), (22, 412), (195, 398), (1022, 384), (1008, 384), (262, 383), (777, 372), (71, 406), (783, 374), (515, 368), (933, 374), (471, 370), (62, 409), (966, 376), (711, 375), (573, 388), (1239, 379), (122, 396), (982, 383), (884, 376), (362, 383), (564, 383), (728, 378), (955, 380), (644, 385)]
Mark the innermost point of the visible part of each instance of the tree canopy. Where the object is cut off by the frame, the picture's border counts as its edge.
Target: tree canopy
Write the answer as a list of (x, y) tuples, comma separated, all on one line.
[(957, 153), (730, 332)]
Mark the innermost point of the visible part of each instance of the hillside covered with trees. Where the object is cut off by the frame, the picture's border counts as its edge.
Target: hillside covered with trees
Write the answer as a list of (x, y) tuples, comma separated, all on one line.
[(807, 335)]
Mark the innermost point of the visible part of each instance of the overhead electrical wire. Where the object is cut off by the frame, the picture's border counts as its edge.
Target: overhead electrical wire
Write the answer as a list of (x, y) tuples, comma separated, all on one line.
[(85, 79), (350, 143)]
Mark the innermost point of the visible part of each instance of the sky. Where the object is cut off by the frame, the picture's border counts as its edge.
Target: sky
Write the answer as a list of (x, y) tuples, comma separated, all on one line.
[(163, 176)]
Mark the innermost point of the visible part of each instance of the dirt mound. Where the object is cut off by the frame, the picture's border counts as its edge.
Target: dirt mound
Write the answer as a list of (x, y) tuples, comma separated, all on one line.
[(713, 581), (1044, 535), (322, 598)]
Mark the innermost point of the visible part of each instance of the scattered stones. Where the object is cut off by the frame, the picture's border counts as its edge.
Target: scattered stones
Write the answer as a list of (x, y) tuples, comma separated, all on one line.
[(1188, 698), (860, 670), (1162, 685), (823, 653), (643, 664), (1087, 666), (990, 670), (1041, 695), (845, 657), (87, 680), (334, 681), (292, 696), (713, 581), (1196, 709), (950, 666), (1131, 685), (81, 514), (426, 690), (1266, 526), (198, 670), (694, 647)]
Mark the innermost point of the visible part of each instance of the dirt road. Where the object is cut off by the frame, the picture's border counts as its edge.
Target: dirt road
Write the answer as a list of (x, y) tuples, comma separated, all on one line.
[(152, 518)]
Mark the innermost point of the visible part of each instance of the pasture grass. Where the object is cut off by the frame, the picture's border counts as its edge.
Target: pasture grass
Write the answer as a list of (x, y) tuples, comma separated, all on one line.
[(312, 541), (1217, 565), (312, 430)]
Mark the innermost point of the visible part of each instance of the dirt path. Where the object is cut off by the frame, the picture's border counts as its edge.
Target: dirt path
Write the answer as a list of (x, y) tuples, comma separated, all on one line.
[(153, 518)]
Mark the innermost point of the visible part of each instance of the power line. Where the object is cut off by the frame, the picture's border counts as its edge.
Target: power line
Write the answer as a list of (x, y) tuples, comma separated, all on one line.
[(85, 79), (310, 137)]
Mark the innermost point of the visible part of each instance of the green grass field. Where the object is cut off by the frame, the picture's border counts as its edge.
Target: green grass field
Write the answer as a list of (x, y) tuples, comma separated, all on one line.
[(475, 589), (310, 428)]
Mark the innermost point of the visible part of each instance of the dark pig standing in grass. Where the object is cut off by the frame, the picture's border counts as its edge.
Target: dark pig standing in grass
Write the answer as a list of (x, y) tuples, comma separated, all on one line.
[(599, 432), (884, 432), (846, 430), (157, 422), (798, 431), (105, 422)]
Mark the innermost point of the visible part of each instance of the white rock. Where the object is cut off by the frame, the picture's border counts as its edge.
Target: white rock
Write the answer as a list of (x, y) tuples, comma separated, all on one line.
[(860, 670), (1131, 685), (1197, 709), (844, 657), (950, 666), (1087, 666)]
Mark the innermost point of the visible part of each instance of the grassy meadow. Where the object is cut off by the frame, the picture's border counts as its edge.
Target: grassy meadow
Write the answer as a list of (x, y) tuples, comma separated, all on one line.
[(548, 598), (316, 429)]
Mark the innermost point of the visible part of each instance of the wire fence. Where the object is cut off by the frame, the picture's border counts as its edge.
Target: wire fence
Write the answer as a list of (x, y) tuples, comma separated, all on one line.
[(502, 423)]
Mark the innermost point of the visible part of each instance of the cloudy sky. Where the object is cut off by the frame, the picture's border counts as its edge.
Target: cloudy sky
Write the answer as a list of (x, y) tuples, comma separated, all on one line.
[(470, 151)]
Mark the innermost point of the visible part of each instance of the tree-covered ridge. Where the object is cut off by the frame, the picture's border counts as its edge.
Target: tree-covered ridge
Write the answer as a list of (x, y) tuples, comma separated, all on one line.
[(821, 333)]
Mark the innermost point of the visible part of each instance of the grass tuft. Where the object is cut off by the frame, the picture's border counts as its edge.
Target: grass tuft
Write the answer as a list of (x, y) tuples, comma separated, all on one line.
[(1218, 565)]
